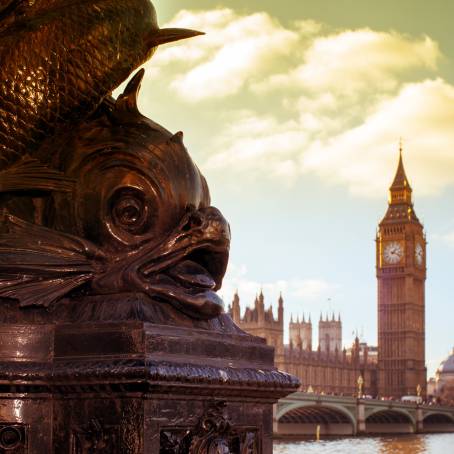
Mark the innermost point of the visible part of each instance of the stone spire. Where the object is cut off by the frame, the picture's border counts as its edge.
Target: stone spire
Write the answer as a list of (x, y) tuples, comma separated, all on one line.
[(280, 310), (400, 190), (400, 180), (400, 196), (261, 307), (236, 311)]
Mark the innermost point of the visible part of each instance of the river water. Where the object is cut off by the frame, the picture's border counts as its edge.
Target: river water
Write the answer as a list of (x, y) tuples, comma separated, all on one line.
[(405, 444)]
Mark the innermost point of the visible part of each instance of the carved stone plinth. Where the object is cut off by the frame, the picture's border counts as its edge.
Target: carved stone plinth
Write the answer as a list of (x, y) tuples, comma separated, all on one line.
[(83, 385)]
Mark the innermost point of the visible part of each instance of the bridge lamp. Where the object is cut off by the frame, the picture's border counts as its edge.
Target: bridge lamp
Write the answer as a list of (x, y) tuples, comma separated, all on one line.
[(418, 390), (360, 384)]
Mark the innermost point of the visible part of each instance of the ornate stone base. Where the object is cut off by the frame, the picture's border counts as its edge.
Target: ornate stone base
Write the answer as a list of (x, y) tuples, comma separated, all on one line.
[(116, 383)]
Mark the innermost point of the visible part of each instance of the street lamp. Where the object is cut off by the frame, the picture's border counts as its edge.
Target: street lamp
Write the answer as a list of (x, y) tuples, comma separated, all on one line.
[(360, 383), (418, 390)]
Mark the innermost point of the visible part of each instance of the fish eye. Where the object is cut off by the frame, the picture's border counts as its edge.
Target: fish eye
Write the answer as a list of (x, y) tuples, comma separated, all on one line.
[(131, 211)]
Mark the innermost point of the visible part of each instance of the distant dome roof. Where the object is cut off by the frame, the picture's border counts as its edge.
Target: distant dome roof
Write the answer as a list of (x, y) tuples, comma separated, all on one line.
[(447, 366)]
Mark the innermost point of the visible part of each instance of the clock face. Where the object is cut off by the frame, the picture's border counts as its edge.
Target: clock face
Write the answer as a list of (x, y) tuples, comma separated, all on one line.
[(419, 254), (393, 253)]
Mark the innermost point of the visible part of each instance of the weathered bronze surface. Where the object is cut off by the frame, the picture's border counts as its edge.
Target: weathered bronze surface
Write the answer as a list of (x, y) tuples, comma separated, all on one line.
[(61, 58), (112, 336), (133, 214)]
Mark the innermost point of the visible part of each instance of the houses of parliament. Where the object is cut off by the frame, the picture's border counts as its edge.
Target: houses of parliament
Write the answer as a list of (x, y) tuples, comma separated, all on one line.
[(396, 367)]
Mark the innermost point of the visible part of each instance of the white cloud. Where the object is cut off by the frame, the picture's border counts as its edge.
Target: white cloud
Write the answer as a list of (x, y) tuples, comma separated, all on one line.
[(364, 157), (234, 50), (357, 60), (324, 102), (260, 145)]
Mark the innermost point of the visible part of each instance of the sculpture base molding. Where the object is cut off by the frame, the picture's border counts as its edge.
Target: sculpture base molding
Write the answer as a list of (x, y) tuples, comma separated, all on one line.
[(131, 386)]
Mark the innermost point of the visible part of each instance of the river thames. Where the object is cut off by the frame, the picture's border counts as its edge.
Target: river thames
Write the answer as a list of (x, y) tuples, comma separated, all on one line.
[(405, 444)]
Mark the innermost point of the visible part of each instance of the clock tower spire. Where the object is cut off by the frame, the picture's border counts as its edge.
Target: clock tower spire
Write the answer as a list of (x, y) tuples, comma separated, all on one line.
[(401, 275)]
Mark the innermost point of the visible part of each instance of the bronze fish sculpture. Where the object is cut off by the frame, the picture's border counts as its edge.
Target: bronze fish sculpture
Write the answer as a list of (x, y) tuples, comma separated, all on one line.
[(137, 219), (60, 58)]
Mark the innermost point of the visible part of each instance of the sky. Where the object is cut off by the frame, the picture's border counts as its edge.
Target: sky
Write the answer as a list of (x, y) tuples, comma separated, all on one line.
[(293, 110)]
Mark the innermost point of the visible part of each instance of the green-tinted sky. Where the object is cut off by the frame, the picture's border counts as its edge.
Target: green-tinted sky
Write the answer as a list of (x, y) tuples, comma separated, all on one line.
[(293, 110), (408, 16)]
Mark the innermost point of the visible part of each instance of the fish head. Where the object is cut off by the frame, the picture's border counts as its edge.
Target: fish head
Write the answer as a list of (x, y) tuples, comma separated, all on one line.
[(141, 199)]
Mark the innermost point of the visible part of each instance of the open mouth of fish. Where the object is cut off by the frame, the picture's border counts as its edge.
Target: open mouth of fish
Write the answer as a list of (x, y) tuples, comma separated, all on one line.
[(184, 270), (190, 279)]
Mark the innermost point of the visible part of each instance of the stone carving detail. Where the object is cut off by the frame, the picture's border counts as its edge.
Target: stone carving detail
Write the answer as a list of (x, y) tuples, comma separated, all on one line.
[(95, 438), (175, 441), (13, 439), (214, 434)]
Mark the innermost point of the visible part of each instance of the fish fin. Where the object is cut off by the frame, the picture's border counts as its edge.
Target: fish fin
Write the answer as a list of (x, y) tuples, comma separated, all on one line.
[(178, 137), (30, 174), (32, 292), (38, 265), (127, 101)]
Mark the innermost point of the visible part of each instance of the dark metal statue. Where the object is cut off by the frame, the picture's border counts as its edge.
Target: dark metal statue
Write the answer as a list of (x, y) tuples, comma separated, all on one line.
[(134, 215), (96, 197), (60, 58), (112, 337)]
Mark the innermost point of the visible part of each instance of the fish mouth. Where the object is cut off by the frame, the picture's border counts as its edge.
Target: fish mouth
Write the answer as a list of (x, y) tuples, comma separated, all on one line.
[(202, 268), (190, 277)]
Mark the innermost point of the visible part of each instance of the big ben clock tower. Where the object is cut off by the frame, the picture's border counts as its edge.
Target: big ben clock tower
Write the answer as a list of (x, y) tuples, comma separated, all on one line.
[(401, 275)]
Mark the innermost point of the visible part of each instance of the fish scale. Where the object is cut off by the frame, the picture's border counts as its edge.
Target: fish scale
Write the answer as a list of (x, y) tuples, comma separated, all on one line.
[(60, 59)]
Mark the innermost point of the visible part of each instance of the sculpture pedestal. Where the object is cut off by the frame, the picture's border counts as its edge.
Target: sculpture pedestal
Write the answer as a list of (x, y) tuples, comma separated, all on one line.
[(112, 381)]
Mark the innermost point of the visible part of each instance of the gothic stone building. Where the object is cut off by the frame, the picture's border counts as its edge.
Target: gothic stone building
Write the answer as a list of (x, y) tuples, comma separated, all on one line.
[(328, 369), (399, 366)]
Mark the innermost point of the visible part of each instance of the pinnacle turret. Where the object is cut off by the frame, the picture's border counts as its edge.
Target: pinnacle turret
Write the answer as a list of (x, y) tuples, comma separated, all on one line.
[(400, 196), (400, 180)]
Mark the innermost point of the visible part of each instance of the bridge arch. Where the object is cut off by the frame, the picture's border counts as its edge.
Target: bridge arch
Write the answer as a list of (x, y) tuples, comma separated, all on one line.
[(438, 415), (302, 418), (390, 420), (438, 422)]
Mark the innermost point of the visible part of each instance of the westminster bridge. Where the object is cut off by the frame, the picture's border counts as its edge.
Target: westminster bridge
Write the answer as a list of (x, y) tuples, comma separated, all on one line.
[(305, 413)]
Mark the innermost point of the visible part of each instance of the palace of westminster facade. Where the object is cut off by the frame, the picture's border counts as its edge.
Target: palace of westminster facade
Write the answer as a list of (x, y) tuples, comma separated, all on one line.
[(397, 366)]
